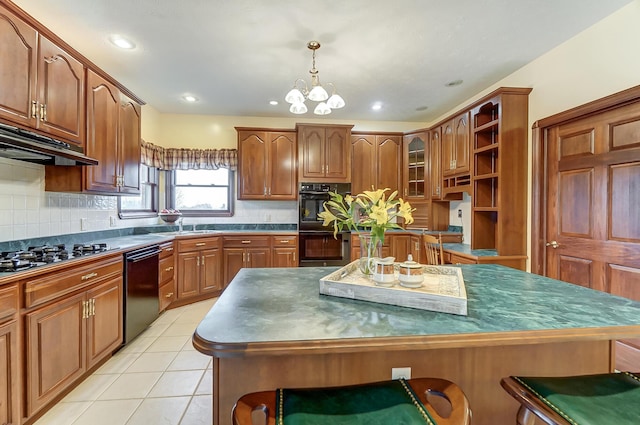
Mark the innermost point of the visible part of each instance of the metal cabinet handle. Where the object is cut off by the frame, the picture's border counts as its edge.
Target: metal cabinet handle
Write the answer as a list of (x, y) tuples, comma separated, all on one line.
[(201, 244), (43, 112), (197, 261), (93, 307), (34, 109), (168, 269), (89, 276), (169, 295), (168, 249), (553, 244), (284, 241), (245, 242), (248, 257), (84, 310), (202, 264)]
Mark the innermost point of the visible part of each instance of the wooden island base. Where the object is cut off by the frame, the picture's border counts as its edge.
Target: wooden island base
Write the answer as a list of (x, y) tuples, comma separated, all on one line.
[(477, 370)]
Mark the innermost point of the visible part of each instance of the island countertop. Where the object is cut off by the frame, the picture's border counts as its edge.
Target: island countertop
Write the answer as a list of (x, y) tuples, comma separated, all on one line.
[(281, 309)]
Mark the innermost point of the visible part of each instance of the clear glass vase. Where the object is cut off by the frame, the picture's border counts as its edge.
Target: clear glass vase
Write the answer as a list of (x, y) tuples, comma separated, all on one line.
[(370, 248)]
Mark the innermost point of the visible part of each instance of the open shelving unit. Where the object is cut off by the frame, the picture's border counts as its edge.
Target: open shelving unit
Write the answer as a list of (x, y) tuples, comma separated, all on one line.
[(499, 157)]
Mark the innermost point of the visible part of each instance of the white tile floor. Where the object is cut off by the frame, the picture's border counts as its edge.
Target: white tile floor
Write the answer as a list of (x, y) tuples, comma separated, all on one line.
[(159, 379)]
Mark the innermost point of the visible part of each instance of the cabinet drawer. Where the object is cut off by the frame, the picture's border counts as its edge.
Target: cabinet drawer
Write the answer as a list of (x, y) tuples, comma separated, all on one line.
[(166, 269), (167, 294), (166, 250), (245, 241), (283, 240), (198, 244), (457, 259), (52, 285), (8, 303)]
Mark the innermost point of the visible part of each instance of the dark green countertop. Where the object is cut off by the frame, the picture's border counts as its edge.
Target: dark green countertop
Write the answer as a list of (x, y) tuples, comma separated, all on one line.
[(284, 305), (466, 249)]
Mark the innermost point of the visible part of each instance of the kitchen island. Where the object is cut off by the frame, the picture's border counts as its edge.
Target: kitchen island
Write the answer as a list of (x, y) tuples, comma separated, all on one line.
[(271, 328)]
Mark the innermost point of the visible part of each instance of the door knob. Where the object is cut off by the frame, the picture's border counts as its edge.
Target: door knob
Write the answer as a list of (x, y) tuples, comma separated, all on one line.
[(553, 244)]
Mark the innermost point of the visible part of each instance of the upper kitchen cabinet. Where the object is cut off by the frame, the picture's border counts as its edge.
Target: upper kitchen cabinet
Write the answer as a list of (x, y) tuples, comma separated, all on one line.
[(455, 156), (42, 84), (434, 165), (413, 165), (324, 153), (267, 164), (376, 160), (113, 138)]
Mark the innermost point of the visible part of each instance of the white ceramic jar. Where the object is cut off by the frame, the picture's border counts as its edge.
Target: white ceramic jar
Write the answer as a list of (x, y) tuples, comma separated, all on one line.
[(410, 273)]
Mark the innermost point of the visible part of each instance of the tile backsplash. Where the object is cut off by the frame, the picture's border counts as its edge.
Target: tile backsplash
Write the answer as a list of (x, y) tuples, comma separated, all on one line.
[(27, 211)]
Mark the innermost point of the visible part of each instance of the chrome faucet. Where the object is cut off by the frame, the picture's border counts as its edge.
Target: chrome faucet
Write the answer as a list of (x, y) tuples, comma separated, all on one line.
[(180, 225)]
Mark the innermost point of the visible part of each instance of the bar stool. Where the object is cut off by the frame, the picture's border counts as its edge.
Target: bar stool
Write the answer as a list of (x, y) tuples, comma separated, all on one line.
[(429, 401), (602, 399)]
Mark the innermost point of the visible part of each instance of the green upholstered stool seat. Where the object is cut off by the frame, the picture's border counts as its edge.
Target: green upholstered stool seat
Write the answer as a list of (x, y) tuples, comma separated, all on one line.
[(602, 399), (398, 402)]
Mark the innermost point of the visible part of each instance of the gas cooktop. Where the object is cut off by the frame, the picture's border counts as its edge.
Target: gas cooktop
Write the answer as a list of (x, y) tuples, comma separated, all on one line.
[(34, 256)]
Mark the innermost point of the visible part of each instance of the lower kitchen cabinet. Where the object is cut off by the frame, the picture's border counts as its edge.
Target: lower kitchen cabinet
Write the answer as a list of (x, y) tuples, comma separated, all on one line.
[(285, 251), (9, 376), (73, 321), (245, 252), (166, 272), (355, 246), (199, 268)]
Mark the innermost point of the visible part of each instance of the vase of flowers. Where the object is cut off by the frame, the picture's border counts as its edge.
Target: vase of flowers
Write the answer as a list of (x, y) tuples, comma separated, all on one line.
[(369, 211)]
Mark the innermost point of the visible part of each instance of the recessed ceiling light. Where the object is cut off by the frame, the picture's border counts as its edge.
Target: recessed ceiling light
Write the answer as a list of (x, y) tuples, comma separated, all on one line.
[(376, 106), (453, 83), (189, 98), (122, 42), (273, 102)]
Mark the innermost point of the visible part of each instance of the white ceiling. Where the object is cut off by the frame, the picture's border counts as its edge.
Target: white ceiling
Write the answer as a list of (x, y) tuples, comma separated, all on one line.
[(237, 55)]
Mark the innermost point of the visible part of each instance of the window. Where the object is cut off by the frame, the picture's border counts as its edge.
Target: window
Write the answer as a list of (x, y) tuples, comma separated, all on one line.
[(201, 192), (145, 204)]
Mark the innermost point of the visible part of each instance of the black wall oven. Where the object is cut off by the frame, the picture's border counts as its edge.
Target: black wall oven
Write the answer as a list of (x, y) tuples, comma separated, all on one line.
[(317, 246)]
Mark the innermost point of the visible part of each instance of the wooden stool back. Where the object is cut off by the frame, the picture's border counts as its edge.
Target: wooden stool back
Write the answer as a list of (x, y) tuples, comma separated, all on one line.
[(433, 249)]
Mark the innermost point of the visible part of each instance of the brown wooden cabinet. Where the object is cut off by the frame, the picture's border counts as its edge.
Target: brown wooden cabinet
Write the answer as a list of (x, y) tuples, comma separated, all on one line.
[(434, 165), (413, 165), (455, 155), (42, 84), (376, 162), (245, 251), (355, 246), (267, 164), (73, 320), (199, 267), (499, 209), (9, 367), (324, 153), (113, 122), (401, 247), (166, 272), (285, 251)]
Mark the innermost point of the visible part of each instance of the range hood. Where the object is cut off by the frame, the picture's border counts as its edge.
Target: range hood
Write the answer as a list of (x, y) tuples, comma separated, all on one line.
[(24, 145)]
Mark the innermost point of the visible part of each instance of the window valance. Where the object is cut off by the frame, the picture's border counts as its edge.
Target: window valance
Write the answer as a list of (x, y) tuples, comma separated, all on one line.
[(187, 159)]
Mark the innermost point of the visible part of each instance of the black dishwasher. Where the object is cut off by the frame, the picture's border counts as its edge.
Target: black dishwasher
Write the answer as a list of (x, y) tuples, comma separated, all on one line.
[(140, 290)]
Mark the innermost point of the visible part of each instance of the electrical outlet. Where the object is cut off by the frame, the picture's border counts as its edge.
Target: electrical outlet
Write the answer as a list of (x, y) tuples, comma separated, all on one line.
[(459, 213), (112, 221), (84, 224), (400, 372), (267, 218)]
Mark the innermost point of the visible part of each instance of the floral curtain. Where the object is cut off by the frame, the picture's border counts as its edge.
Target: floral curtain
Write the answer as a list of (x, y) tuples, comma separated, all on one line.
[(188, 159)]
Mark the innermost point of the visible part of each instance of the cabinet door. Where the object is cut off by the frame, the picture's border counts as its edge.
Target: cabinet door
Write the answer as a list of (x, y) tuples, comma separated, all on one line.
[(448, 148), (103, 100), (210, 271), (282, 181), (363, 166), (284, 257), (129, 122), (17, 70), (337, 154), (188, 274), (61, 93), (461, 144), (415, 248), (252, 164), (9, 394), (435, 164), (414, 166), (258, 257), (56, 350), (312, 154), (233, 262), (104, 324), (401, 247), (389, 160)]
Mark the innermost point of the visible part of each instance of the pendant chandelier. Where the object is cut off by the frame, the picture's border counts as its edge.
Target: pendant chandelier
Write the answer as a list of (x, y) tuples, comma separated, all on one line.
[(301, 92)]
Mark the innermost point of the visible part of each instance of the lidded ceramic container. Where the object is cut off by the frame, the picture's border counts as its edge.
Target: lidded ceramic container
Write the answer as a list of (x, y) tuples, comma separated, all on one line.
[(410, 273), (383, 271)]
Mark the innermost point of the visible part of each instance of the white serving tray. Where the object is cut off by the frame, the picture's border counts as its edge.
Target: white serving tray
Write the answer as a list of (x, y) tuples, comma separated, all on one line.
[(442, 290)]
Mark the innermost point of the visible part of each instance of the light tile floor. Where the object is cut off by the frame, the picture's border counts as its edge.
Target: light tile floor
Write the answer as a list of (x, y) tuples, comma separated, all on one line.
[(159, 379)]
